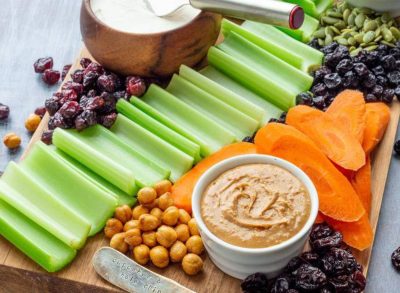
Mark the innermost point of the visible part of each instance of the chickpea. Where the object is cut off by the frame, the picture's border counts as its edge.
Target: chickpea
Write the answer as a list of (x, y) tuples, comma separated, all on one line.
[(113, 226), (170, 216), (132, 224), (165, 201), (149, 238), (195, 244), (133, 237), (148, 222), (177, 251), (138, 211), (182, 231), (157, 213), (192, 264), (141, 254), (146, 195), (159, 256), (166, 236), (11, 140), (32, 122), (151, 205), (184, 216), (193, 227), (118, 242), (163, 187), (123, 213)]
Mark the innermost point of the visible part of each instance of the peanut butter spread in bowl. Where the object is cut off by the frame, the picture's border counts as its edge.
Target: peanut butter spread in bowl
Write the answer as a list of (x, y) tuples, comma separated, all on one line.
[(255, 205)]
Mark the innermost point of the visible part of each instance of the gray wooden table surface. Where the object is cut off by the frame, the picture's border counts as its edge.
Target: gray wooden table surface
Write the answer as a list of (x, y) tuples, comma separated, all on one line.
[(30, 29)]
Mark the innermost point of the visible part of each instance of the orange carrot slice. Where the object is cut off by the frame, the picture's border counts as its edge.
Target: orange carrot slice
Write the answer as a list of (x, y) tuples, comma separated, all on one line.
[(183, 188), (377, 119), (357, 234), (337, 198), (362, 184), (348, 111), (338, 145)]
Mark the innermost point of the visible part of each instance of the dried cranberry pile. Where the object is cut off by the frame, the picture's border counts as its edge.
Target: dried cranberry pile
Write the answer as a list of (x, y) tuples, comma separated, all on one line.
[(396, 259), (397, 147), (329, 267), (4, 111), (375, 73), (89, 98)]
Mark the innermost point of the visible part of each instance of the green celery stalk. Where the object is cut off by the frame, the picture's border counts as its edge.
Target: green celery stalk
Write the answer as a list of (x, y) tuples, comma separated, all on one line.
[(278, 43), (153, 147), (34, 241), (74, 191), (159, 129), (281, 73), (245, 74), (305, 32), (230, 118), (21, 192), (96, 147), (313, 8), (270, 110), (121, 197), (189, 122)]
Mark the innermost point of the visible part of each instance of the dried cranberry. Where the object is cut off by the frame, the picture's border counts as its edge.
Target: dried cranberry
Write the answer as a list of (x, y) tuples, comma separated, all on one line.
[(394, 77), (50, 76), (85, 62), (349, 79), (357, 282), (369, 80), (361, 69), (361, 57), (273, 120), (52, 104), (319, 102), (92, 93), (65, 70), (70, 109), (319, 89), (119, 81), (120, 95), (40, 111), (68, 95), (294, 264), (323, 244), (282, 118), (106, 83), (395, 52), (396, 256), (70, 85), (397, 92), (108, 120), (109, 103), (92, 104), (42, 64), (344, 66), (338, 262), (319, 231), (331, 60), (327, 289), (396, 148), (388, 62), (378, 70), (372, 58), (77, 76), (377, 91), (58, 121), (308, 277), (388, 95), (255, 283), (89, 79), (382, 80), (371, 98), (340, 283), (94, 67), (314, 44), (281, 285), (304, 98), (382, 49), (332, 80), (4, 111), (320, 73), (85, 119), (248, 139), (135, 86), (47, 137), (310, 257), (329, 48)]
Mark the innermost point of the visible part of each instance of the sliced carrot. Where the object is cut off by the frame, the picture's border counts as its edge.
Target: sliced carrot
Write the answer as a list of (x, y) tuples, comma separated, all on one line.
[(377, 119), (362, 184), (320, 218), (337, 198), (357, 234), (338, 145), (183, 188), (348, 111), (348, 173)]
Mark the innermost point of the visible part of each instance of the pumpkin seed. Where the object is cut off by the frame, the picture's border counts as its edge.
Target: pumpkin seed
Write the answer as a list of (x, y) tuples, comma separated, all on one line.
[(371, 48), (321, 42), (333, 13), (346, 14), (369, 37), (359, 37), (352, 19), (395, 32), (366, 11), (387, 35), (378, 31), (387, 44), (336, 30), (359, 20), (340, 24), (386, 17), (351, 41), (355, 52), (329, 31), (319, 33), (352, 48), (364, 45), (328, 40), (377, 39), (370, 25), (329, 20)]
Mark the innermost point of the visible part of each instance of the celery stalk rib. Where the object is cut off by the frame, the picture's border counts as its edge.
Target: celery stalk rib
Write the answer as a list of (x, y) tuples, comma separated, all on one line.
[(35, 202), (230, 118), (77, 193), (34, 241), (174, 138), (305, 32), (152, 147), (209, 134)]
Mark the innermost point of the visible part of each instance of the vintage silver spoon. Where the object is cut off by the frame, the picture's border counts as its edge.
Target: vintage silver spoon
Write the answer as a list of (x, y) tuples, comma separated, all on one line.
[(267, 11)]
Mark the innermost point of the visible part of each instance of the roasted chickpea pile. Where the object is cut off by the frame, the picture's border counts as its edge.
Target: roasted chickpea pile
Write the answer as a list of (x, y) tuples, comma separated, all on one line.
[(157, 231)]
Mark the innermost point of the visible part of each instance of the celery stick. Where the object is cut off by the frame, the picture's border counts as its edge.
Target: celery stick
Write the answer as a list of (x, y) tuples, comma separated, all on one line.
[(74, 191), (98, 143), (159, 129), (277, 43), (265, 86), (153, 147), (266, 64), (230, 118), (34, 241), (224, 94), (305, 32), (313, 8), (270, 110), (121, 197), (42, 207), (189, 122)]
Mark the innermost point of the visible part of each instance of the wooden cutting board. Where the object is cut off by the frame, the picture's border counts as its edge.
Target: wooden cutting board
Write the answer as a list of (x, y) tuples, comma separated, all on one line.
[(19, 274)]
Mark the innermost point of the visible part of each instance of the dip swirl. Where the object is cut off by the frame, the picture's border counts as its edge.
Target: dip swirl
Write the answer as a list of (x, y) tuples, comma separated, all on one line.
[(255, 205)]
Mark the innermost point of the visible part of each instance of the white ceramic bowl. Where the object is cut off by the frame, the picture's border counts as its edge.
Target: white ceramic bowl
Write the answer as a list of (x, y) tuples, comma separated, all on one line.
[(391, 6), (239, 262)]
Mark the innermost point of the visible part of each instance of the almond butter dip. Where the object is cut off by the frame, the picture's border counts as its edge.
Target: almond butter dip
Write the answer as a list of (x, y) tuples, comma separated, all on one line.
[(255, 206)]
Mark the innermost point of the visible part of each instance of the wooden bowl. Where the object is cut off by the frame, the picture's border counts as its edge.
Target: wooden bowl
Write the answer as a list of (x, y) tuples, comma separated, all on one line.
[(148, 55)]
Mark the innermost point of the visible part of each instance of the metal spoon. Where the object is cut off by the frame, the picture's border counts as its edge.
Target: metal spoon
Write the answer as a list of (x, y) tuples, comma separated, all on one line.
[(268, 11)]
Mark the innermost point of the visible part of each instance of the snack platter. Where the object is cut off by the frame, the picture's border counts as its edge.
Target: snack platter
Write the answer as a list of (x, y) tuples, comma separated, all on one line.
[(18, 273)]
